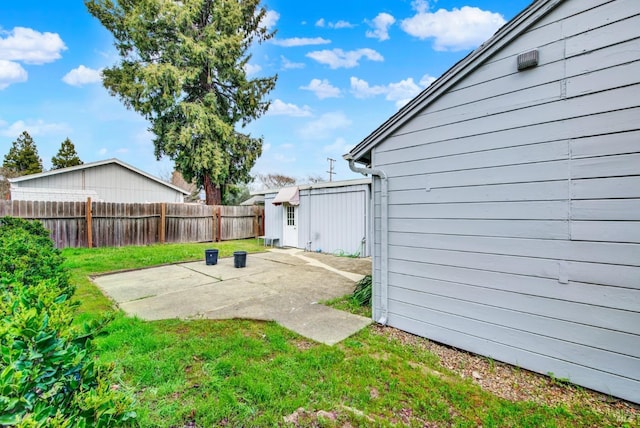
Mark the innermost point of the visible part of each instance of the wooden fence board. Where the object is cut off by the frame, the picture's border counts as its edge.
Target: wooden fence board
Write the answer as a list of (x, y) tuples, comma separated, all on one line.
[(121, 224)]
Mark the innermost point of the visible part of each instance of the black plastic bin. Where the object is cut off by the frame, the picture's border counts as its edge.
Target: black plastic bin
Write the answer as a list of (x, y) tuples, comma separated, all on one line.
[(240, 259), (211, 256)]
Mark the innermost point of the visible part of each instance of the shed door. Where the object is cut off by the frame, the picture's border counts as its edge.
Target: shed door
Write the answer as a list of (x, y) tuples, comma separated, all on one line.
[(290, 228)]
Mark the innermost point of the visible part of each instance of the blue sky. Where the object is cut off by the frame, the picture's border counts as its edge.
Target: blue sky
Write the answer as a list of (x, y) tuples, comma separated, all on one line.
[(343, 68)]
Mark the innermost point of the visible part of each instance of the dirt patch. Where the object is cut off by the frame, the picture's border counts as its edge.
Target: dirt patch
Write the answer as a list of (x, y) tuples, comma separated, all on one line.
[(360, 266), (514, 383)]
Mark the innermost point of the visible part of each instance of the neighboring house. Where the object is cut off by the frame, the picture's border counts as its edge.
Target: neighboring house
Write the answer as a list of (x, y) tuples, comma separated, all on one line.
[(109, 181), (507, 198), (329, 217)]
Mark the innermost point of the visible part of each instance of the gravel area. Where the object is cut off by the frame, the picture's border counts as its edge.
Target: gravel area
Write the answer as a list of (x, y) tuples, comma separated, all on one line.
[(516, 384)]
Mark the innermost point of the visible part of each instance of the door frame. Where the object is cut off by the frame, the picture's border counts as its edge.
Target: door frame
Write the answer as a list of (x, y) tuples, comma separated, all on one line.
[(289, 225)]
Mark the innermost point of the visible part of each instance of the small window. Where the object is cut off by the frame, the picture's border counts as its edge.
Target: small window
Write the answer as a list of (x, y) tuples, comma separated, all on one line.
[(291, 215)]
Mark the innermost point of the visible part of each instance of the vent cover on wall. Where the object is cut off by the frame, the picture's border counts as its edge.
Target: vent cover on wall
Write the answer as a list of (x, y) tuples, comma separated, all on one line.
[(528, 60)]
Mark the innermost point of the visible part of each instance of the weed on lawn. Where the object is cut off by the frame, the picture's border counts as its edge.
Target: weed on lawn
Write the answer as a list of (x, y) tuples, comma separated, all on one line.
[(205, 373)]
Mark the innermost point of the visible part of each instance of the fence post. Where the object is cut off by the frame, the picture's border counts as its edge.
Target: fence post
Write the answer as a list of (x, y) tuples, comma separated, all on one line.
[(256, 224), (163, 221), (219, 215), (89, 224)]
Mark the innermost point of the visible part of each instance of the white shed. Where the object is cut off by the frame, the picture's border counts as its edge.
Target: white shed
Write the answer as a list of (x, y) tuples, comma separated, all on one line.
[(507, 196), (329, 217), (109, 180)]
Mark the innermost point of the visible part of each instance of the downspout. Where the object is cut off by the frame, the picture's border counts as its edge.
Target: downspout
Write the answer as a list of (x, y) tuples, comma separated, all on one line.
[(384, 234)]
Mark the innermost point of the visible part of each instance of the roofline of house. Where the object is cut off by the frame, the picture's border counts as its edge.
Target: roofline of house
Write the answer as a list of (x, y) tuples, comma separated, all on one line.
[(93, 165), (509, 31), (321, 185)]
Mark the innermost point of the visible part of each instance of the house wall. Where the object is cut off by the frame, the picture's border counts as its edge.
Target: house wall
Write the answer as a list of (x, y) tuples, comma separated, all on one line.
[(514, 204), (111, 182), (330, 219)]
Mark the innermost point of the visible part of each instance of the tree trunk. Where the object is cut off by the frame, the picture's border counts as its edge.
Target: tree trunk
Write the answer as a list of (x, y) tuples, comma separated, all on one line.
[(213, 193)]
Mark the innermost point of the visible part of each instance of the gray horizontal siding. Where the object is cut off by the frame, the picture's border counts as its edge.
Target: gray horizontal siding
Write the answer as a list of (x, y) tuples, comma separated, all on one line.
[(111, 182), (514, 206)]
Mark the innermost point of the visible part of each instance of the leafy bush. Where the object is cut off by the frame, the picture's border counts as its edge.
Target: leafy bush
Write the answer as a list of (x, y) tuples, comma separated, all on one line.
[(48, 377), (362, 293)]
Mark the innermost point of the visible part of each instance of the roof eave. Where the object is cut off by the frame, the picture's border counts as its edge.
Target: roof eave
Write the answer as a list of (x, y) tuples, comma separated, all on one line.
[(509, 31)]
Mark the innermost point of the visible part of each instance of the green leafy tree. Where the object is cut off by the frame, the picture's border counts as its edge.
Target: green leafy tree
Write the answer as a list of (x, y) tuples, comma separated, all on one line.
[(5, 186), (183, 68), (66, 156), (23, 158), (235, 195)]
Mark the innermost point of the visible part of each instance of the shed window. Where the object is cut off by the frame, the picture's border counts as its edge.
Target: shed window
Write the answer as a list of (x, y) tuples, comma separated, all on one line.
[(291, 215)]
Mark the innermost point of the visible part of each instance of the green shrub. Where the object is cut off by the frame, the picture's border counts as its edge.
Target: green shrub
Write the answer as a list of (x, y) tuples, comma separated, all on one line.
[(362, 293), (48, 377)]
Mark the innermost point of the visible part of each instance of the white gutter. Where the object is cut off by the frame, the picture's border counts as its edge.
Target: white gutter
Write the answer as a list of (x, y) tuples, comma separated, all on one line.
[(384, 234)]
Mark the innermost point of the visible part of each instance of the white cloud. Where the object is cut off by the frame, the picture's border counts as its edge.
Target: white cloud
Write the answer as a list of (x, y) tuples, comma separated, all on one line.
[(11, 72), (35, 128), (380, 25), (300, 41), (284, 159), (102, 151), (427, 80), (361, 89), (322, 88), (401, 92), (82, 76), (341, 24), (252, 69), (30, 46), (122, 150), (288, 65), (323, 127), (452, 30), (339, 146), (270, 19), (337, 58), (266, 147), (336, 25), (280, 108)]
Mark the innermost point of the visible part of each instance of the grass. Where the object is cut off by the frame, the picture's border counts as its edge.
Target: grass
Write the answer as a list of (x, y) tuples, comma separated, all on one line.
[(248, 373)]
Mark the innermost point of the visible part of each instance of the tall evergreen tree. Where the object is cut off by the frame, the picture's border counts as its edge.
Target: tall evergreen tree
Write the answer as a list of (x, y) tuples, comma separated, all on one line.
[(66, 156), (183, 68), (23, 158)]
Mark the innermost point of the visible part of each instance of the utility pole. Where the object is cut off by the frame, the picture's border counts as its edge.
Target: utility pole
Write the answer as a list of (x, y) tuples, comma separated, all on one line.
[(331, 173)]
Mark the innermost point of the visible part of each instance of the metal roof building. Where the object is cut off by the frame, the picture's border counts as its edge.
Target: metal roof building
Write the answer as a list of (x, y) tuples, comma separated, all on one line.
[(329, 217)]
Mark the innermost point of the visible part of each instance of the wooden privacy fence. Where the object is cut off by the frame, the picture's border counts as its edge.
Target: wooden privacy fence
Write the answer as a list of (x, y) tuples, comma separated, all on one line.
[(111, 224)]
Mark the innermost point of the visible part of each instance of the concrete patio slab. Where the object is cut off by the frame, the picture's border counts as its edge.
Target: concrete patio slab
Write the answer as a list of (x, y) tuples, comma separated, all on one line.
[(280, 285)]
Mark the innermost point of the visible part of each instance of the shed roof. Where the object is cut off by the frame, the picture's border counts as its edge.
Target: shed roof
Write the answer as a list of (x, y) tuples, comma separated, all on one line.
[(26, 178), (254, 200), (519, 24), (320, 185)]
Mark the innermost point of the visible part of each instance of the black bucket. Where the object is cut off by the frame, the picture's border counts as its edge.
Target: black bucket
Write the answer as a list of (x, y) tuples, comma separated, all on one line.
[(240, 259), (211, 257)]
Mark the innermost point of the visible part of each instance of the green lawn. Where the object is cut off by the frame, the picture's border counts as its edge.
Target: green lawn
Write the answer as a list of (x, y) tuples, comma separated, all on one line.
[(247, 373)]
